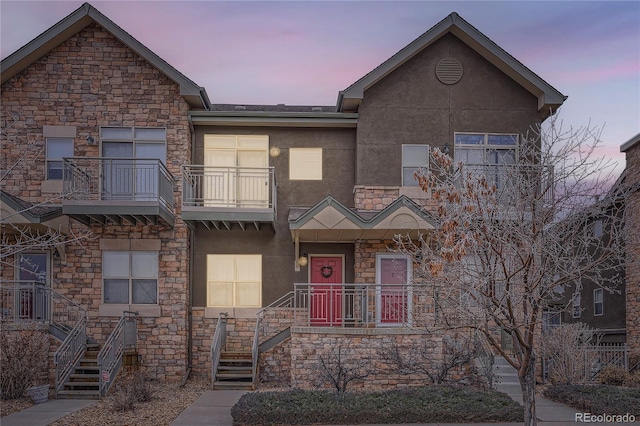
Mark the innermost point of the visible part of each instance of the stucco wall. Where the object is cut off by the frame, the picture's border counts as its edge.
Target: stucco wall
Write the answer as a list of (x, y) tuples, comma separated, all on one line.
[(411, 106)]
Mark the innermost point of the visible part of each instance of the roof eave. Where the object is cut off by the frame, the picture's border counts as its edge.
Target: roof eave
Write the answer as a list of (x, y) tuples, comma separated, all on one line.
[(630, 143), (272, 119), (73, 23)]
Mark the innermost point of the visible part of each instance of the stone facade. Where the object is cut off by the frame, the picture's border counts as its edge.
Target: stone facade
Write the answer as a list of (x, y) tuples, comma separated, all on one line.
[(88, 81), (632, 276)]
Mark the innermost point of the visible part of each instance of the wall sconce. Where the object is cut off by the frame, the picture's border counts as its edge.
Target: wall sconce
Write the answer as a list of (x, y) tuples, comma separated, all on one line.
[(302, 260), (91, 140), (446, 148), (274, 151)]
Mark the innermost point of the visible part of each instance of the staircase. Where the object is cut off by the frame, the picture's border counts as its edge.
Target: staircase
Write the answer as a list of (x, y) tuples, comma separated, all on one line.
[(234, 371), (505, 379), (84, 382)]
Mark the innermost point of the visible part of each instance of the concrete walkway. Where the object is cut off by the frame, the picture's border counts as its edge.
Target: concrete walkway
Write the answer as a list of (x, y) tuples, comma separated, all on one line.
[(214, 408), (45, 413)]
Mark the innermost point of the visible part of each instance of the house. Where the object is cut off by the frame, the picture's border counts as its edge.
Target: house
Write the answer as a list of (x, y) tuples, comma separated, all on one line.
[(632, 273), (264, 229)]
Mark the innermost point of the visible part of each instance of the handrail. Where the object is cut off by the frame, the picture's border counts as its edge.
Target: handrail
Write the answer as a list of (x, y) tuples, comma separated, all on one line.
[(110, 356), (218, 342), (254, 351), (485, 358), (70, 353)]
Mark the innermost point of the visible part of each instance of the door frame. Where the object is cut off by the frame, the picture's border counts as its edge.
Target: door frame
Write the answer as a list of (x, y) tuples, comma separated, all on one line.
[(409, 293), (330, 323), (38, 301)]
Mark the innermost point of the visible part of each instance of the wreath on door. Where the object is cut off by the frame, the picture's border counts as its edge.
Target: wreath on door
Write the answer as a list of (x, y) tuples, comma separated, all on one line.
[(326, 271)]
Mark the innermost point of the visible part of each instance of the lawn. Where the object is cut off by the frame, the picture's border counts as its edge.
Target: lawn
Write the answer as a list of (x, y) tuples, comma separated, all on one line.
[(408, 405)]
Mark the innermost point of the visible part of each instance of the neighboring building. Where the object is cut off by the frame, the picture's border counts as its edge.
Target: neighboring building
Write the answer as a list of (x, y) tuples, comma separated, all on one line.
[(632, 222), (199, 209)]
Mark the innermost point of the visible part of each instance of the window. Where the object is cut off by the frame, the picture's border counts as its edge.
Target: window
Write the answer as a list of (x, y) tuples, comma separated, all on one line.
[(413, 158), (234, 280), (577, 308), (130, 169), (57, 149), (305, 163), (487, 153), (130, 277), (236, 172), (551, 318), (598, 302), (597, 229)]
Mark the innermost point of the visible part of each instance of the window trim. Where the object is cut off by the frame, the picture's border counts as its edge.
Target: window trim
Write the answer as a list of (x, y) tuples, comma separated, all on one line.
[(48, 160), (133, 140), (130, 277), (596, 292), (414, 182), (486, 146), (576, 304)]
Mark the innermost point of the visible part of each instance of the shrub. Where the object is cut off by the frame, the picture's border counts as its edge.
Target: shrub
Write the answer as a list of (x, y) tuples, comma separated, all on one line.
[(569, 353), (632, 380), (132, 390), (597, 399), (613, 375), (24, 358)]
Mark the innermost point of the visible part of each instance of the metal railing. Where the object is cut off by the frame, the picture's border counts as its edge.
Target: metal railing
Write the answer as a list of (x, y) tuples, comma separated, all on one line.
[(536, 180), (360, 305), (118, 179), (485, 359), (22, 301), (70, 353), (123, 337), (218, 343), (229, 187)]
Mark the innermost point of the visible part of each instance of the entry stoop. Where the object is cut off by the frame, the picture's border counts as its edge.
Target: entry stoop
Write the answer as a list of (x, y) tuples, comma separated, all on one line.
[(235, 371), (84, 382)]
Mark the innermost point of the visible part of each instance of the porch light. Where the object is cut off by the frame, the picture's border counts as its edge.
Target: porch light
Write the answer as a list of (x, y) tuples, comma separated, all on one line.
[(302, 260), (274, 151)]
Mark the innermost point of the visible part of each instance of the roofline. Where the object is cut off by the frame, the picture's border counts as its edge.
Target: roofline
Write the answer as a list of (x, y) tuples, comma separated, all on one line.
[(195, 95), (6, 199), (403, 200), (548, 96), (273, 119), (630, 143)]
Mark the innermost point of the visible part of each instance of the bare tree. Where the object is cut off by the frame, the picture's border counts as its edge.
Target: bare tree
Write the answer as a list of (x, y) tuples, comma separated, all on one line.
[(511, 237), (458, 352), (16, 236), (340, 367)]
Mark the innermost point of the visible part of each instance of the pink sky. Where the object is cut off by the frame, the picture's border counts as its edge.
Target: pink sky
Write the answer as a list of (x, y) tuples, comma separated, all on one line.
[(305, 52)]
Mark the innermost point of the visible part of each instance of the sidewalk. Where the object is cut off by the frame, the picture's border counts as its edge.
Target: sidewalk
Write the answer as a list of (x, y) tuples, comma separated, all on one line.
[(45, 413), (212, 408)]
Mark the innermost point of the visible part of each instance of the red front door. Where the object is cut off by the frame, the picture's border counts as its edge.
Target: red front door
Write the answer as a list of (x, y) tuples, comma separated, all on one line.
[(326, 291)]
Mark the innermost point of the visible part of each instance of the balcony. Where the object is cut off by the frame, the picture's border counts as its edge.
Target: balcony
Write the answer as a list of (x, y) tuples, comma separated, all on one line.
[(118, 190), (361, 305), (225, 197)]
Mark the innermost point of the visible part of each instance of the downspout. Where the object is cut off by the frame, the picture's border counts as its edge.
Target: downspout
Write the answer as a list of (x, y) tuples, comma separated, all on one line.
[(190, 284)]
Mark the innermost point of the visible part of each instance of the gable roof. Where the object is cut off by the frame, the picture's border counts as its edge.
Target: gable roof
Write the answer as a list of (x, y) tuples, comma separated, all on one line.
[(548, 97), (85, 15), (331, 221)]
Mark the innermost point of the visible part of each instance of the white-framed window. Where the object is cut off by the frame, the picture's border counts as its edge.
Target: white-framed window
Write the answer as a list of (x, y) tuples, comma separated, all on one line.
[(597, 228), (236, 172), (550, 319), (305, 163), (130, 277), (414, 157), (487, 153), (56, 150), (576, 305), (234, 280), (598, 302)]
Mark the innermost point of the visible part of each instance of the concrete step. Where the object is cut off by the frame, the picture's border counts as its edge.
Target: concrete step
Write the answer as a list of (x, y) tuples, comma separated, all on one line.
[(86, 385), (235, 368), (78, 394), (228, 385), (234, 376)]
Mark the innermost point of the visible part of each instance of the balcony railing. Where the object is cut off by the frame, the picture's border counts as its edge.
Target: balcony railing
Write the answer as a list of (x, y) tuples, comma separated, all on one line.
[(361, 305), (536, 180), (22, 301), (118, 179), (230, 187)]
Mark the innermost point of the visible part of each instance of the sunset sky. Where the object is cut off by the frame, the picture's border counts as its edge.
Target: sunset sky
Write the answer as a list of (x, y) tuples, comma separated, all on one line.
[(304, 52)]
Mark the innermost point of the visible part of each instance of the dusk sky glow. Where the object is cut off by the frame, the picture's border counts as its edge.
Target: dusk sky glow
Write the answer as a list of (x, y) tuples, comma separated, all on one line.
[(304, 52)]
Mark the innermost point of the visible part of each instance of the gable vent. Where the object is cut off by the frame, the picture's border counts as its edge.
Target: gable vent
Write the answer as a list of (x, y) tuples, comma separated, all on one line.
[(449, 71)]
